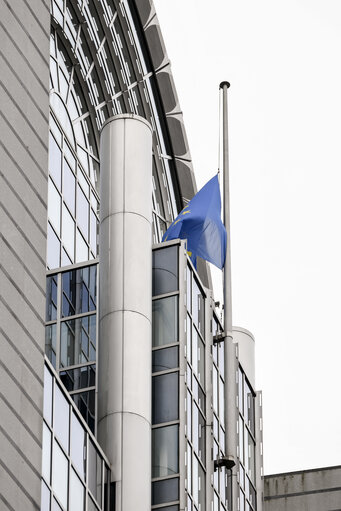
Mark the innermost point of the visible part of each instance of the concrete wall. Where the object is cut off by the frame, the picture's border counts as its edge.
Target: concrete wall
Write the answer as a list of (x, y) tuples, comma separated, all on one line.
[(24, 56), (308, 490)]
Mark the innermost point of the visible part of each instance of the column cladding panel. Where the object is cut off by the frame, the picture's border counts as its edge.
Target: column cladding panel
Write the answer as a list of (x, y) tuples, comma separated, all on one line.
[(124, 387), (24, 56)]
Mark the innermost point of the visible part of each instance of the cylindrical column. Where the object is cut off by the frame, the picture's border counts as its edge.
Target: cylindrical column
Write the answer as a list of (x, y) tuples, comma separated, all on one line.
[(124, 366), (230, 347)]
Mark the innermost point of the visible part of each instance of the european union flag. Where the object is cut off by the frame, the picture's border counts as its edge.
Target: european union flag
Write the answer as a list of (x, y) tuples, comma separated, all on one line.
[(200, 223)]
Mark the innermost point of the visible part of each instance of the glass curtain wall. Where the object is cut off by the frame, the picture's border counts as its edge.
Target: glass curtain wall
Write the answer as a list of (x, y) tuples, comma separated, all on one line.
[(247, 444), (165, 380), (97, 69), (75, 473), (71, 334)]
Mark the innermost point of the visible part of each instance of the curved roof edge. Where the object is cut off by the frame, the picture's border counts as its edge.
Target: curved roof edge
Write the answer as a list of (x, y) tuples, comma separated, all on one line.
[(173, 113)]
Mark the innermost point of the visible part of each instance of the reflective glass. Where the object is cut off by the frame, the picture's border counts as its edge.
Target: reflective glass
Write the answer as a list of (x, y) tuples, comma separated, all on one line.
[(202, 487), (165, 270), (50, 343), (70, 353), (165, 491), (60, 474), (55, 161), (51, 298), (189, 415), (195, 469), (95, 473), (221, 349), (69, 187), (76, 502), (80, 378), (81, 248), (189, 339), (167, 508), (189, 289), (198, 311), (48, 382), (165, 398), (45, 497), (164, 359), (195, 352), (221, 400), (53, 248), (215, 389), (61, 418), (85, 402), (189, 469), (78, 443), (201, 362), (82, 212), (165, 321), (222, 484), (165, 448), (46, 465), (93, 232), (241, 439), (56, 506), (68, 237)]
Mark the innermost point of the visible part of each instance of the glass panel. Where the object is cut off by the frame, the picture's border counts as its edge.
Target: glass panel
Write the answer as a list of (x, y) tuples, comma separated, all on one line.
[(201, 362), (45, 497), (189, 469), (222, 484), (54, 204), (165, 447), (60, 474), (85, 402), (221, 349), (95, 473), (189, 289), (53, 248), (46, 466), (48, 381), (68, 236), (165, 359), (189, 415), (61, 418), (93, 232), (76, 502), (82, 212), (202, 488), (198, 308), (55, 161), (82, 252), (78, 443), (241, 439), (189, 339), (165, 398), (221, 400), (80, 378), (50, 343), (165, 491), (69, 187), (215, 389), (167, 508), (195, 480), (51, 298), (165, 270), (165, 321), (56, 506)]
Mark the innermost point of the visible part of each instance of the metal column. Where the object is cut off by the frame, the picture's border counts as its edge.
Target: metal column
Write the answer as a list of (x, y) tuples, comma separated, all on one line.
[(124, 367)]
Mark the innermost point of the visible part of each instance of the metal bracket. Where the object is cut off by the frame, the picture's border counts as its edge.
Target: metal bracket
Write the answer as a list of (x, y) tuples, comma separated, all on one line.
[(224, 461), (219, 337)]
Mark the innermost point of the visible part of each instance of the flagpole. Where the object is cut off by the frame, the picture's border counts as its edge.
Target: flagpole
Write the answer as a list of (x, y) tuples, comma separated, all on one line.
[(230, 388)]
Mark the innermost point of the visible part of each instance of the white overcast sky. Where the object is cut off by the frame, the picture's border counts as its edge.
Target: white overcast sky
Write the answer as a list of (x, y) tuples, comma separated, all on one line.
[(283, 59)]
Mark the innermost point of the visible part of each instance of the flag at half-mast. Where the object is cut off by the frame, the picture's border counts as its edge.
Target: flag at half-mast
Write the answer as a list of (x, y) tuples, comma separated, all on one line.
[(200, 223)]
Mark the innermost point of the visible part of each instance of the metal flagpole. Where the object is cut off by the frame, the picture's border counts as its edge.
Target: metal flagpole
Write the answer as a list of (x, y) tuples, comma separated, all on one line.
[(230, 347)]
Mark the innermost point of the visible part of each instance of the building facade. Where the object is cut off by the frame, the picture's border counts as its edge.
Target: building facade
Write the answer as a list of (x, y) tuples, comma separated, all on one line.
[(113, 361), (305, 490)]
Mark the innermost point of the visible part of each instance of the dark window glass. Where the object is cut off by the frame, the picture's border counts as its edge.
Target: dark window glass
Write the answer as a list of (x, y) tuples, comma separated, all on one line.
[(165, 321), (85, 402), (165, 270), (165, 451), (51, 298), (79, 378), (165, 398), (165, 359), (165, 491), (50, 343)]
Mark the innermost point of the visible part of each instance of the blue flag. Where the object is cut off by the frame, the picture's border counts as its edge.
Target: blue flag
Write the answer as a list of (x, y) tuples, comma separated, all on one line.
[(200, 223)]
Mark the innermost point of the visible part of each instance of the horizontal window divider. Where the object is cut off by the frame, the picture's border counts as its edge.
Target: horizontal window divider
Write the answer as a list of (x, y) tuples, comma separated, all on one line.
[(167, 371), (173, 344), (166, 295), (81, 390), (77, 366), (77, 316), (165, 424)]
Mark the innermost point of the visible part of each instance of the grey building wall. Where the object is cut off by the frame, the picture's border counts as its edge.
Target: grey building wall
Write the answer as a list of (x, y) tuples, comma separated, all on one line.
[(307, 490), (24, 56)]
